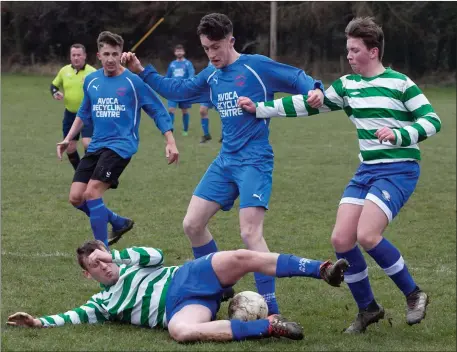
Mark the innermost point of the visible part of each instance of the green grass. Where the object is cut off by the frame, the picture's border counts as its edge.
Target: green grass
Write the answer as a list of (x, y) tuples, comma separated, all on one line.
[(315, 158)]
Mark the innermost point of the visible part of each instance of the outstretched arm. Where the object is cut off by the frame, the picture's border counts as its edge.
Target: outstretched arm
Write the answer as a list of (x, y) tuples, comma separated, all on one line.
[(91, 312), (191, 90), (292, 106)]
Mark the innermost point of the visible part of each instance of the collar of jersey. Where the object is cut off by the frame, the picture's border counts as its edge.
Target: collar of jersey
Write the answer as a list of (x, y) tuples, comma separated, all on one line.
[(81, 69)]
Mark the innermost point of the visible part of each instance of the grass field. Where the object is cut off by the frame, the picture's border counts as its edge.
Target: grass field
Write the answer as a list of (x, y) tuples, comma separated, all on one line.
[(315, 158)]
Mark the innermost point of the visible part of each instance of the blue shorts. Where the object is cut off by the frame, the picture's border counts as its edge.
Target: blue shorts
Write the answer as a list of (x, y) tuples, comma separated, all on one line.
[(174, 104), (194, 283), (228, 178), (68, 119), (388, 185), (208, 105)]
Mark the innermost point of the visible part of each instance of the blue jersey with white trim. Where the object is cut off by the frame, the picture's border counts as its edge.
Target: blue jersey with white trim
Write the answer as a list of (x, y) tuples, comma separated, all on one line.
[(181, 69), (255, 76), (114, 104)]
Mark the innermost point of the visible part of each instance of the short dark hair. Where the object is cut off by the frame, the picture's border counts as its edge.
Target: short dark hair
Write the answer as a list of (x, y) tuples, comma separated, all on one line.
[(78, 46), (369, 31), (179, 46), (109, 38), (215, 26), (86, 250)]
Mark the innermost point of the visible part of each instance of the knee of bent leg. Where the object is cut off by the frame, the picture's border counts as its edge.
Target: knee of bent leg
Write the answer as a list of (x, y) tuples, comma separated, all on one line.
[(368, 238), (76, 198), (192, 227), (342, 241), (241, 256), (180, 332), (251, 233)]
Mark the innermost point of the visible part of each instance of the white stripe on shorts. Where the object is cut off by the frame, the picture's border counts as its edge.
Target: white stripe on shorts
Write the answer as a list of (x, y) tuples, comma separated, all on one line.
[(381, 204), (350, 200), (350, 279)]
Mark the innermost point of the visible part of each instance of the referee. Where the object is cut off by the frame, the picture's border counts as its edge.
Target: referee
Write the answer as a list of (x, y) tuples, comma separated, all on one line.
[(70, 80)]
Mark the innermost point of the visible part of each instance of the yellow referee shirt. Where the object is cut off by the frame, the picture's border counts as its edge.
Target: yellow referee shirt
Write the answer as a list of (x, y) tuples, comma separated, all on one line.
[(71, 81)]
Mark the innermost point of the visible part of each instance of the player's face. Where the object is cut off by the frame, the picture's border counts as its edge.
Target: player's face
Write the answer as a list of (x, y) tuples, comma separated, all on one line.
[(77, 57), (105, 273), (359, 56), (218, 51), (179, 53), (110, 57)]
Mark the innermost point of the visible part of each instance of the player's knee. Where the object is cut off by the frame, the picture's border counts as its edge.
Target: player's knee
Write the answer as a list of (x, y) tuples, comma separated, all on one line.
[(242, 257), (181, 332), (91, 193), (192, 227), (341, 241), (251, 234), (203, 111), (368, 239), (71, 147), (75, 199)]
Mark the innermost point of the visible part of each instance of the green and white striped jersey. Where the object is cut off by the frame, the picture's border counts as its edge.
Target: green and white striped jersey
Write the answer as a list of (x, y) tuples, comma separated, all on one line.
[(390, 99), (138, 297)]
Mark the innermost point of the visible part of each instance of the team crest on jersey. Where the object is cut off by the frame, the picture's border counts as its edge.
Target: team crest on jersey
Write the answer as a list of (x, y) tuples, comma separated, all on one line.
[(121, 91), (386, 195), (240, 80)]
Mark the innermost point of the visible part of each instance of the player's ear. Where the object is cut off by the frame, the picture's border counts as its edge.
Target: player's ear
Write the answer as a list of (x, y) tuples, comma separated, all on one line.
[(87, 275), (98, 56)]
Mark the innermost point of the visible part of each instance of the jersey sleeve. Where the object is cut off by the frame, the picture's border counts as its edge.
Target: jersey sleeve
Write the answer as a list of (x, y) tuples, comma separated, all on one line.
[(84, 111), (427, 121), (153, 106), (284, 78), (189, 90), (169, 72), (91, 312), (296, 105), (190, 70), (140, 256), (58, 79)]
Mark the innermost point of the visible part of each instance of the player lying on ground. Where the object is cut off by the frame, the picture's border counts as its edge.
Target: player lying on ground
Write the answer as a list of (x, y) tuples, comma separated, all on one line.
[(138, 290), (392, 116)]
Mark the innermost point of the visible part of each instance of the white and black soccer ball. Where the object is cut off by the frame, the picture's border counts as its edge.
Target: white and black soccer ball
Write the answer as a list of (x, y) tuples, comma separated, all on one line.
[(248, 305)]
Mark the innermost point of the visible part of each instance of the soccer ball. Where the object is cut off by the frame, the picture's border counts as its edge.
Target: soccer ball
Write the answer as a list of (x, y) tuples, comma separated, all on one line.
[(248, 305)]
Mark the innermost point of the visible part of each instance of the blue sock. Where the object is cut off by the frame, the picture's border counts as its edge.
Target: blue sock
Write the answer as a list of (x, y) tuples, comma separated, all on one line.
[(99, 219), (242, 330), (206, 249), (390, 260), (83, 207), (185, 121), (266, 287), (289, 265), (205, 125), (172, 115), (357, 277), (116, 220)]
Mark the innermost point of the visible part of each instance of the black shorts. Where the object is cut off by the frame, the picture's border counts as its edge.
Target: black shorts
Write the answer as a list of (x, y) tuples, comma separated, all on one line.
[(103, 165), (68, 119)]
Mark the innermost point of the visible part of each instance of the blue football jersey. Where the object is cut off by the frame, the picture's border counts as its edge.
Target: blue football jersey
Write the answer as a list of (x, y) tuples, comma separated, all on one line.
[(113, 105), (181, 69), (255, 76)]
